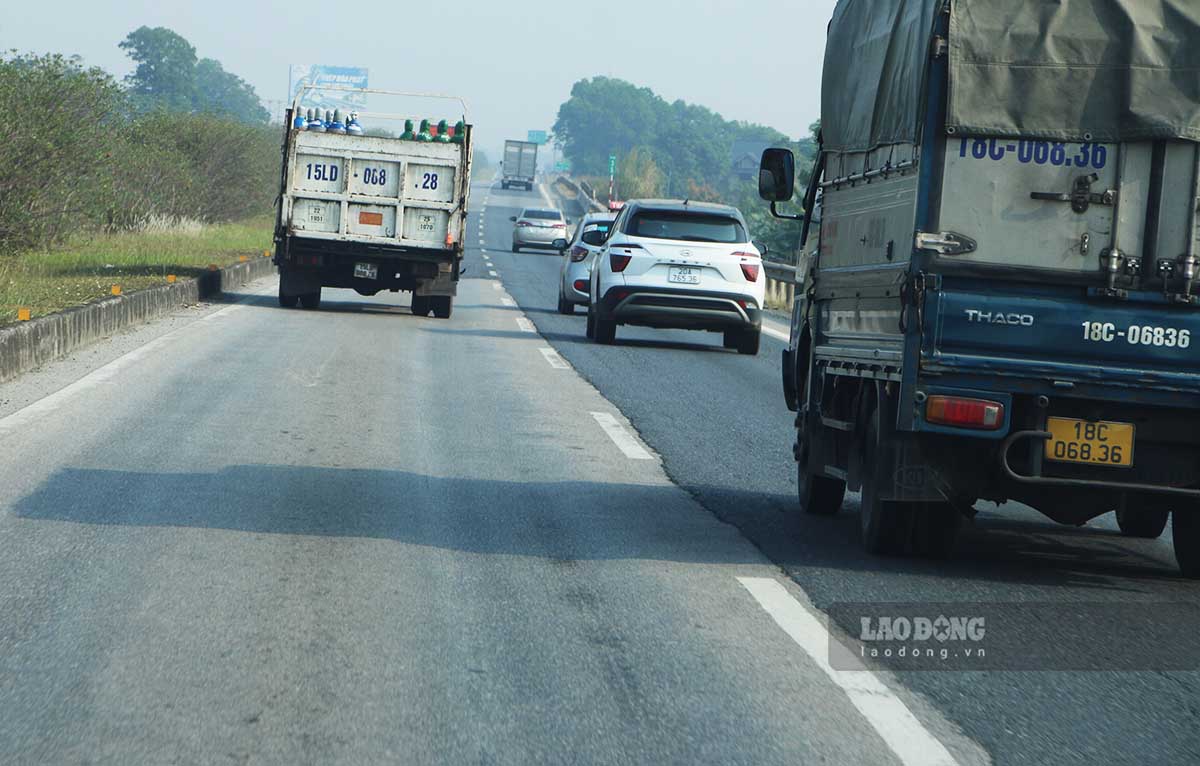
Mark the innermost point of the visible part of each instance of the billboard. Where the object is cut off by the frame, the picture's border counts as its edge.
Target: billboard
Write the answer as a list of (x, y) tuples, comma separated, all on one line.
[(322, 74)]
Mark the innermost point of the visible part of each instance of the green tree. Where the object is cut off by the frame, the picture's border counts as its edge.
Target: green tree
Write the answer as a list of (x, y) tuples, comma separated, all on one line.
[(222, 93), (165, 76), (638, 175)]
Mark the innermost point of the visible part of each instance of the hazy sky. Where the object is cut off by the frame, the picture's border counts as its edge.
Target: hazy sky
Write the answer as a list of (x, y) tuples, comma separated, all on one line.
[(514, 63)]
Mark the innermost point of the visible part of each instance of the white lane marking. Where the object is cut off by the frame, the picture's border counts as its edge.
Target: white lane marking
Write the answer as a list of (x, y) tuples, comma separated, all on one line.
[(525, 325), (493, 274), (546, 196), (103, 375), (912, 743), (556, 361), (622, 438), (497, 286), (776, 333), (508, 301)]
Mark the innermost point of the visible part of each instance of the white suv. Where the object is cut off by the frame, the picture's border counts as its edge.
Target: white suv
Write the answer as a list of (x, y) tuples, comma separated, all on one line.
[(683, 265)]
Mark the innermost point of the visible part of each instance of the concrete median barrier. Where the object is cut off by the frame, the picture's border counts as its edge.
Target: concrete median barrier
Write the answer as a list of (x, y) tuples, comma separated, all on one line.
[(28, 345)]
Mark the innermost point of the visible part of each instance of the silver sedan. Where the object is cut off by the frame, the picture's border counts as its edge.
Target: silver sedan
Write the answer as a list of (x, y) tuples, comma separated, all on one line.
[(538, 227), (576, 272)]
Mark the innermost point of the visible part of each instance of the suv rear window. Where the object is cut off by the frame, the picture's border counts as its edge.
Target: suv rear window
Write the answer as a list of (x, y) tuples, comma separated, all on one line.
[(689, 227), (542, 215)]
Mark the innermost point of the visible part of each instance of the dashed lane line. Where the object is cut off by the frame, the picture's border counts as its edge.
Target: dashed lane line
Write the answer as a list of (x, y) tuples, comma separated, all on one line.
[(553, 358), (622, 438), (525, 325)]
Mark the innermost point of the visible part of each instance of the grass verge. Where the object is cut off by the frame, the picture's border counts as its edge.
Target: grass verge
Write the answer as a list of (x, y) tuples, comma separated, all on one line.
[(86, 268)]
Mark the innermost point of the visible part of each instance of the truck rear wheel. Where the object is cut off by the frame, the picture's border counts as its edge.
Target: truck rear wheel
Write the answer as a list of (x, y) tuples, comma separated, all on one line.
[(421, 305), (818, 495), (443, 306), (311, 300), (1185, 533), (1142, 522), (886, 524), (288, 301)]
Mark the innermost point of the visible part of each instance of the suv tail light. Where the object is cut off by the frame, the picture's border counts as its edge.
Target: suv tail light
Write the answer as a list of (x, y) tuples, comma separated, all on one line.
[(750, 271), (578, 253), (619, 262), (962, 412)]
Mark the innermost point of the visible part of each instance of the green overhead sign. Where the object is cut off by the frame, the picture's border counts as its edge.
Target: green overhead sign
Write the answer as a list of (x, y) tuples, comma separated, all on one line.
[(538, 137)]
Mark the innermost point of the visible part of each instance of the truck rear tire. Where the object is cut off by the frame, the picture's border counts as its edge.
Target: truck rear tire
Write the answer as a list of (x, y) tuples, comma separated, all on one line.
[(421, 305), (288, 301), (1143, 522), (818, 495), (1185, 533), (311, 300), (886, 525), (443, 306)]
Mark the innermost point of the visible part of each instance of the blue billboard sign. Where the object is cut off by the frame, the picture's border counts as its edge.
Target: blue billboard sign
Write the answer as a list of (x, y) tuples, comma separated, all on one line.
[(322, 74)]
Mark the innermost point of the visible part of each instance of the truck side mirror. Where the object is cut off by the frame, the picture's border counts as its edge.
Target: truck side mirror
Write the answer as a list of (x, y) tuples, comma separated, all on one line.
[(777, 175)]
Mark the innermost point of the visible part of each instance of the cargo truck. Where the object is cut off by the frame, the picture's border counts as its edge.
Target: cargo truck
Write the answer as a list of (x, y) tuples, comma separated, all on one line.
[(520, 164), (1001, 301), (372, 212)]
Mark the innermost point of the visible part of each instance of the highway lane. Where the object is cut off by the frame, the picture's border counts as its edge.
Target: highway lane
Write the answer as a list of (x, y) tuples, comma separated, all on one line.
[(257, 535), (724, 433)]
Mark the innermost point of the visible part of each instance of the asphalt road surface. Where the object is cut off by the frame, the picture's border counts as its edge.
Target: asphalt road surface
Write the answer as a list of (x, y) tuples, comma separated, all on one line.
[(249, 534)]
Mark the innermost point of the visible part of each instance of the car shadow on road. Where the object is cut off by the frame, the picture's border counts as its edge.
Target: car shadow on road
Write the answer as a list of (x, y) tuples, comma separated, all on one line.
[(993, 549)]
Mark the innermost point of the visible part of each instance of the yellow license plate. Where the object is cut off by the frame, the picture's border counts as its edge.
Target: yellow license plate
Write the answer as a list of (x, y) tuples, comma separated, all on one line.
[(1090, 443)]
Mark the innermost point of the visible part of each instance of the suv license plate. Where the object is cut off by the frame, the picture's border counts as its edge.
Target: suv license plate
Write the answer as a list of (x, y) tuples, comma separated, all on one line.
[(366, 271), (683, 275), (1090, 443)]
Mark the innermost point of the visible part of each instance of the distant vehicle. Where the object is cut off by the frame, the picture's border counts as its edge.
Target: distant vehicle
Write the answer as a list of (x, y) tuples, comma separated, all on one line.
[(683, 265), (371, 213), (520, 165), (1005, 298), (578, 257), (539, 227)]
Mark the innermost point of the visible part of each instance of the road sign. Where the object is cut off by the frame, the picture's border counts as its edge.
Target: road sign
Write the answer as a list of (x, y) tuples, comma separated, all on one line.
[(563, 166), (612, 164), (538, 137)]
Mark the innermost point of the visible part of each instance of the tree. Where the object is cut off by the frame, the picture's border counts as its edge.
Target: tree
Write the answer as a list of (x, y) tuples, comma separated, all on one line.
[(166, 69), (222, 93), (169, 76), (638, 175)]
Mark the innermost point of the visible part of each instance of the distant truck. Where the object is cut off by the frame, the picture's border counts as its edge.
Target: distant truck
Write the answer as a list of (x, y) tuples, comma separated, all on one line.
[(372, 213), (520, 164), (1002, 299)]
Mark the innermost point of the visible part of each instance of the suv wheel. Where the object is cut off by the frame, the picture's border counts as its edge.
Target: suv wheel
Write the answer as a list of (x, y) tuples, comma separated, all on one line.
[(606, 331), (749, 341)]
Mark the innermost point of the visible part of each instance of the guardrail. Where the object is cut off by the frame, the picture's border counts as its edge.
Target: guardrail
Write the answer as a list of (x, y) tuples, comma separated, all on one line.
[(781, 285)]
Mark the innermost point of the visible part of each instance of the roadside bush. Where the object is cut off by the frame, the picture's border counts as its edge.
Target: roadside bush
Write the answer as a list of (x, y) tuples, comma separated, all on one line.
[(75, 158)]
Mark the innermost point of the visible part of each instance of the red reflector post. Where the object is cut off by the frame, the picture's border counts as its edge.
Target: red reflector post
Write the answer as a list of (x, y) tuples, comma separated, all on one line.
[(581, 285), (962, 412), (619, 262)]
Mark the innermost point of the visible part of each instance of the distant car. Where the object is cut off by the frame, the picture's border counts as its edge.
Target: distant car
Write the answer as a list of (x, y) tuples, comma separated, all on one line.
[(578, 257), (538, 227), (682, 265)]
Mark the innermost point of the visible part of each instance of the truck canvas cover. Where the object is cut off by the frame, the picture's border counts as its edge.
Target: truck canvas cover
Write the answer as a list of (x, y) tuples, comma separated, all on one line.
[(1102, 70)]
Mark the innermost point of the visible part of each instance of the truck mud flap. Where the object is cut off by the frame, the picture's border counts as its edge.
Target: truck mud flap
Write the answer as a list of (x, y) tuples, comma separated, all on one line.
[(445, 283), (298, 282)]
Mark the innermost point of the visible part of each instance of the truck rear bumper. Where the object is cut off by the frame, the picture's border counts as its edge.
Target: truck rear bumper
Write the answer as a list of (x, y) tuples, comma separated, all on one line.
[(307, 264)]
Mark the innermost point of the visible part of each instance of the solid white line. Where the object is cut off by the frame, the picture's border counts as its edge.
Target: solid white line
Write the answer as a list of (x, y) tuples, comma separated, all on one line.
[(525, 325), (508, 301), (624, 441), (102, 375), (493, 274), (912, 743), (556, 361), (497, 286), (546, 196)]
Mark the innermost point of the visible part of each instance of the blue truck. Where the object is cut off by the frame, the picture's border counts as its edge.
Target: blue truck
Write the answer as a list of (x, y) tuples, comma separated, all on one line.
[(999, 298)]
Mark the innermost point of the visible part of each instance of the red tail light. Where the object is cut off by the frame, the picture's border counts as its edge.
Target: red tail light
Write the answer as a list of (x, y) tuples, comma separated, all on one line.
[(962, 412), (750, 270), (619, 262), (523, 224), (578, 253), (581, 285)]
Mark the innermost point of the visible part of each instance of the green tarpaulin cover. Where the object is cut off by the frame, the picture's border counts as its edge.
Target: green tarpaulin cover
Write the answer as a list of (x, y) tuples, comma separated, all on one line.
[(1111, 70)]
